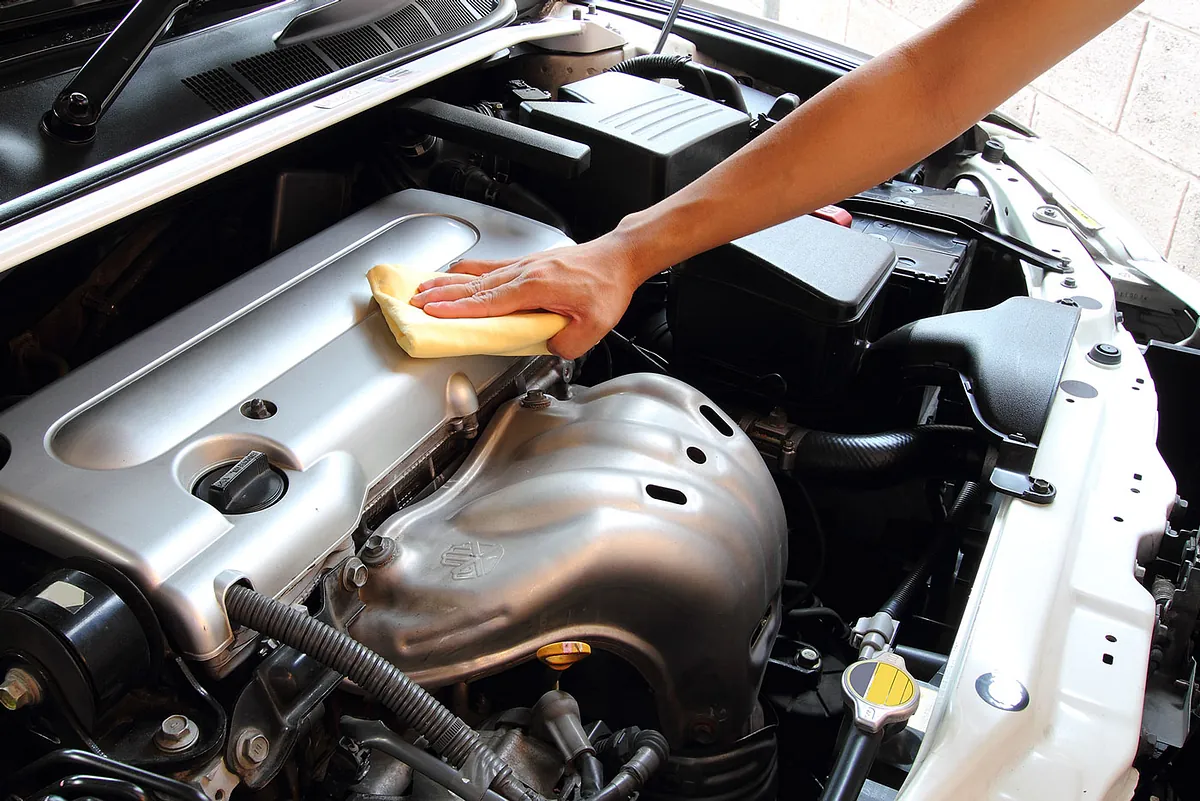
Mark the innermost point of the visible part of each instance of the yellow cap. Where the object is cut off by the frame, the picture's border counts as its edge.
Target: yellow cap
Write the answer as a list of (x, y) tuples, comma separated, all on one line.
[(561, 655)]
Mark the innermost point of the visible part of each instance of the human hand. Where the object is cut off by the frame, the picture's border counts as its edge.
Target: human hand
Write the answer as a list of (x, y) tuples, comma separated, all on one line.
[(589, 284)]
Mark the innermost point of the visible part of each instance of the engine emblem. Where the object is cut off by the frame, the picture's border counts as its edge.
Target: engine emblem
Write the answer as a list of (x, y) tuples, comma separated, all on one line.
[(473, 559)]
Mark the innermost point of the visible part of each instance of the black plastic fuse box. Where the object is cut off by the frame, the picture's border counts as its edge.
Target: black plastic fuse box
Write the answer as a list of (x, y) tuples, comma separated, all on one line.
[(782, 314)]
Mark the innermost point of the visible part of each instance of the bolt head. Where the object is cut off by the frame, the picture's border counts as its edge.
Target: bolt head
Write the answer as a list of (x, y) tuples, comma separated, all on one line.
[(809, 654), (535, 399), (255, 747), (176, 733), (19, 689), (354, 574), (174, 726), (1040, 486)]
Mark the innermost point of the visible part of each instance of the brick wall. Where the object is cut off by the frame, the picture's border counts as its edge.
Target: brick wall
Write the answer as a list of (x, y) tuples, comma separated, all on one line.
[(1126, 105)]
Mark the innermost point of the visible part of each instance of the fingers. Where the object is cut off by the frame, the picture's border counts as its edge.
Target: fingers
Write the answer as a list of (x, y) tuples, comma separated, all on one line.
[(478, 267), (503, 299), (445, 279), (457, 288)]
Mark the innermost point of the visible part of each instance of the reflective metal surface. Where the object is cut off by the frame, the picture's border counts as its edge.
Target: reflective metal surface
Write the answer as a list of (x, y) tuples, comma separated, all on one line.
[(103, 461), (624, 518)]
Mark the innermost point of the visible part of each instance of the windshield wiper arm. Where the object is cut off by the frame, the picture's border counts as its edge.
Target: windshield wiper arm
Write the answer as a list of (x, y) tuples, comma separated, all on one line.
[(85, 98)]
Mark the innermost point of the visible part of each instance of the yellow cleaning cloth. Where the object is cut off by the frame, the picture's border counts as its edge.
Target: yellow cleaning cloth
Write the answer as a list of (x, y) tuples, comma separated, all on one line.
[(426, 337)]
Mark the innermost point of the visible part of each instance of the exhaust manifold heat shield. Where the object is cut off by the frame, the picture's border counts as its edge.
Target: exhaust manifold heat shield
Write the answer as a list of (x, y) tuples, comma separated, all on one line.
[(633, 516)]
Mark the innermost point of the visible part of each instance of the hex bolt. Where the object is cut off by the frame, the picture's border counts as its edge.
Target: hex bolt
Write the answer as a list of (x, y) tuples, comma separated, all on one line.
[(176, 733), (535, 399), (377, 550), (809, 654), (19, 689), (354, 574), (1040, 486), (1069, 283), (253, 748)]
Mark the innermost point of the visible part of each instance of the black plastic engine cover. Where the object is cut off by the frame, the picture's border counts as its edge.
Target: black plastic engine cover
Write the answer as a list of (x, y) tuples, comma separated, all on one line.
[(648, 140)]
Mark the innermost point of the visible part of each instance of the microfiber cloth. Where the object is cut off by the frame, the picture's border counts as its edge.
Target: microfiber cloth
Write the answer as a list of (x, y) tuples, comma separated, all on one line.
[(426, 337)]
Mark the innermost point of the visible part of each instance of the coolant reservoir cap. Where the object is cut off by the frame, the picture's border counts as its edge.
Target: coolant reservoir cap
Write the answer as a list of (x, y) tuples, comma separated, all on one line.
[(249, 485)]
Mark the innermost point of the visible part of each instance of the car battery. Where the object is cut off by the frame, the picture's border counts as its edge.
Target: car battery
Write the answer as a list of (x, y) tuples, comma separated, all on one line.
[(779, 316), (930, 274)]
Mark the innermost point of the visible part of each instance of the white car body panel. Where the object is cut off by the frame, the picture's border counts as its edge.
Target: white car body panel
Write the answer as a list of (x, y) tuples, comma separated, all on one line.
[(1058, 581)]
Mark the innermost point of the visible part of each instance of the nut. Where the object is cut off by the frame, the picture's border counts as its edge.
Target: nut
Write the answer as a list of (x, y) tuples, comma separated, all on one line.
[(176, 733), (253, 748), (354, 574), (19, 689)]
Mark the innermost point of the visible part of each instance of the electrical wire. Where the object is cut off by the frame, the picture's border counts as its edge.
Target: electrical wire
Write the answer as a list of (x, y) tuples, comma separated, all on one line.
[(820, 540)]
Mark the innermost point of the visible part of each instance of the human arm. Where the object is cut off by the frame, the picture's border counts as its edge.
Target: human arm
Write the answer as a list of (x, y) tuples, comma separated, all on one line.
[(862, 129)]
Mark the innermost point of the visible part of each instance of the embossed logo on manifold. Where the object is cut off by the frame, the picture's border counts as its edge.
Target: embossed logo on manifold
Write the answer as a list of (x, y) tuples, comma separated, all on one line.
[(472, 559)]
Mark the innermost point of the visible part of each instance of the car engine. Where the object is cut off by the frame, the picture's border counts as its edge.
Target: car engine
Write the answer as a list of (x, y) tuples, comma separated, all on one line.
[(252, 547)]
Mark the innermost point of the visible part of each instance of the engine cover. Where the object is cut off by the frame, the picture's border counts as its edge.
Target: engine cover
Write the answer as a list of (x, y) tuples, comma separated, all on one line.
[(633, 516), (104, 461)]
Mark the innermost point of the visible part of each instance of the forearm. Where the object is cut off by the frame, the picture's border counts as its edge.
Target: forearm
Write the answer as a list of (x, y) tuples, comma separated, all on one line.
[(869, 125)]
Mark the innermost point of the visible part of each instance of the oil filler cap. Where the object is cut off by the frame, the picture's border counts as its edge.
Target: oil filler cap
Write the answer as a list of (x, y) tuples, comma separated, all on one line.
[(250, 485)]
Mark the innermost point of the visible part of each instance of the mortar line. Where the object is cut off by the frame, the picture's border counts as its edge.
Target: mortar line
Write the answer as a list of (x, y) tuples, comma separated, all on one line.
[(1175, 223), (1137, 62)]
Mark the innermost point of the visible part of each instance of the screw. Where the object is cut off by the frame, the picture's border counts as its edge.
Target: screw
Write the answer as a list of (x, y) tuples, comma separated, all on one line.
[(354, 574), (1069, 283), (535, 399), (577, 14), (19, 689), (1068, 302), (913, 190), (253, 748), (176, 733), (1040, 486), (809, 654)]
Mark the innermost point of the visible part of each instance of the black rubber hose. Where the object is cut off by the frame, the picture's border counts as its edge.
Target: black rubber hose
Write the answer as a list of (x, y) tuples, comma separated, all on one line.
[(916, 578), (923, 664), (695, 78), (650, 752), (853, 764), (447, 734), (933, 450)]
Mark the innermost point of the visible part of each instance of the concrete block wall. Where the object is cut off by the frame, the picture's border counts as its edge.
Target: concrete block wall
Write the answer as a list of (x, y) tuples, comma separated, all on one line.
[(1126, 105)]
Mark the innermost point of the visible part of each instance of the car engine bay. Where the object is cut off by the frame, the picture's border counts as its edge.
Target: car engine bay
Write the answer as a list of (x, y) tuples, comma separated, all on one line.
[(253, 549)]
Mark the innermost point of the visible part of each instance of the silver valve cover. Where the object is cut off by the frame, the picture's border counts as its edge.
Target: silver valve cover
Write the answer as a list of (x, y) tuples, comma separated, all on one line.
[(103, 461), (633, 516)]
